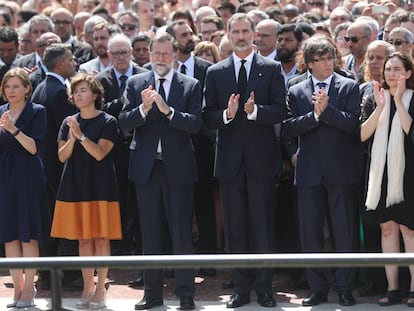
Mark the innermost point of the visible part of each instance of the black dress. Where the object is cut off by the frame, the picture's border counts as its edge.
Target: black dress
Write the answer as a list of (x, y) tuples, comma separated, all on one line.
[(23, 208), (402, 213), (87, 200)]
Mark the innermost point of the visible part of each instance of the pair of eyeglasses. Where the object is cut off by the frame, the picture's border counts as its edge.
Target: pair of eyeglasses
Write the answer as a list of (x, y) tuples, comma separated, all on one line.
[(354, 39), (397, 42), (323, 59), (127, 26), (120, 53), (320, 4), (57, 22)]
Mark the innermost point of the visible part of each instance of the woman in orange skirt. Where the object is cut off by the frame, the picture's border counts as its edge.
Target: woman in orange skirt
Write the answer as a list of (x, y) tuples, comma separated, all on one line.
[(87, 207)]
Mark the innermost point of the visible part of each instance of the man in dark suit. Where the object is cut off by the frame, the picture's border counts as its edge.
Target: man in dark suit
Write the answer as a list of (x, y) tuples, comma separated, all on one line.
[(42, 43), (323, 113), (244, 98), (114, 82), (62, 18), (52, 94), (162, 162), (204, 204)]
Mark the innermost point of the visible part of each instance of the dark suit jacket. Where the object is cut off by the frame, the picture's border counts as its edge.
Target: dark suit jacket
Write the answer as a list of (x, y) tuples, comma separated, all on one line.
[(52, 94), (254, 142), (28, 60), (177, 148), (36, 77), (81, 51), (200, 70), (328, 149), (109, 81)]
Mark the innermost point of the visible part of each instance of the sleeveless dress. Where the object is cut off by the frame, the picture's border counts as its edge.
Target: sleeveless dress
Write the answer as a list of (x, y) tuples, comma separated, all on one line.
[(23, 209), (87, 204)]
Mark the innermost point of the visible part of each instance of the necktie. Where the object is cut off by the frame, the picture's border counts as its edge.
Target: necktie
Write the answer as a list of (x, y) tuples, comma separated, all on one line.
[(123, 79), (161, 90), (183, 69), (321, 85), (242, 80)]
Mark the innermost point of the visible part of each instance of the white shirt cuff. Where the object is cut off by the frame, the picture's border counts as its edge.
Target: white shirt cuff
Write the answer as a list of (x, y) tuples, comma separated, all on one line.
[(253, 115), (225, 120)]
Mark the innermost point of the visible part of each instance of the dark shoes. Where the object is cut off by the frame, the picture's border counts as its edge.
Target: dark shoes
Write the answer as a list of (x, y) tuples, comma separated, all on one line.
[(370, 289), (237, 301), (208, 271), (228, 284), (345, 298), (148, 303), (187, 303), (390, 298), (136, 282), (314, 298), (266, 300)]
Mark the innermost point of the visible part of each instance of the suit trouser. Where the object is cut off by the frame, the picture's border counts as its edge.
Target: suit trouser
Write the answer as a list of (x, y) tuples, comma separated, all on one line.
[(339, 204), (162, 207), (248, 218)]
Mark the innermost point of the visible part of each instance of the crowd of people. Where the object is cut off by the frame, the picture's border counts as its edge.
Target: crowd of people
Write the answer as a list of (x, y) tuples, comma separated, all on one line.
[(207, 126)]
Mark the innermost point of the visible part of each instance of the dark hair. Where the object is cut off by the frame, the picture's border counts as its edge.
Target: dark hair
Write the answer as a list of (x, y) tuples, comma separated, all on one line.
[(53, 53), (408, 65), (186, 15), (317, 45), (243, 6), (6, 17), (227, 6), (9, 34), (95, 86), (18, 73), (295, 28), (26, 15), (140, 38)]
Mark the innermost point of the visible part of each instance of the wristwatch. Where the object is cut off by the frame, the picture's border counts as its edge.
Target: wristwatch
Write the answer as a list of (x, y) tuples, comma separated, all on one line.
[(82, 138), (169, 113)]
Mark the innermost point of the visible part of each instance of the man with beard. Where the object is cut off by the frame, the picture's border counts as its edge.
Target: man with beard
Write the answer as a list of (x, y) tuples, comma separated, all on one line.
[(100, 36), (244, 98), (204, 208), (288, 42), (163, 108)]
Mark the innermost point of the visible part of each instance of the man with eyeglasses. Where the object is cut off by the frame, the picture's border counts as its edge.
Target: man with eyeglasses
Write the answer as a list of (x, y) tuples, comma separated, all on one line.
[(358, 37), (209, 25), (114, 82), (128, 21), (323, 114), (402, 39), (62, 18), (163, 108), (338, 16)]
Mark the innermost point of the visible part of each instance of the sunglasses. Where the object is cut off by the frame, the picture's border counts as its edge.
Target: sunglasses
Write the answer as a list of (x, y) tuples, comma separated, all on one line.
[(127, 26), (354, 39), (320, 4), (397, 42)]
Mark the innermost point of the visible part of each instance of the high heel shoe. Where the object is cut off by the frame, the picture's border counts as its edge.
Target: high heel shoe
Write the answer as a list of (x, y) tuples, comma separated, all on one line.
[(82, 304), (27, 303), (99, 304)]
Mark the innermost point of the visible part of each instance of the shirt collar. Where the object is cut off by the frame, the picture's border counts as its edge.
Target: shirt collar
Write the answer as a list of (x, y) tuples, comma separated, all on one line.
[(59, 77), (167, 77), (128, 73), (327, 81), (249, 58)]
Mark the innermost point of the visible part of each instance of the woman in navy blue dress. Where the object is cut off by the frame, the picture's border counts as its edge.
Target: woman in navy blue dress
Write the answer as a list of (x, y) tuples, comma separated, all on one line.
[(22, 180), (87, 207)]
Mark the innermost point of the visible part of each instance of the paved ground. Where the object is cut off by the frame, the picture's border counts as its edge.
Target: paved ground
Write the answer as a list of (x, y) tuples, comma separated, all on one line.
[(209, 295)]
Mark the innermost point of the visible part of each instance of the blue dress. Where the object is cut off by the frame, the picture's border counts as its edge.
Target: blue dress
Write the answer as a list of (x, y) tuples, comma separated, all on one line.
[(23, 208)]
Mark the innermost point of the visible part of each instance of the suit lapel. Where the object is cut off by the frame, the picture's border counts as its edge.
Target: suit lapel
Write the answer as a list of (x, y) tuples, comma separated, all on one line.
[(254, 80), (175, 90), (333, 90), (114, 82)]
